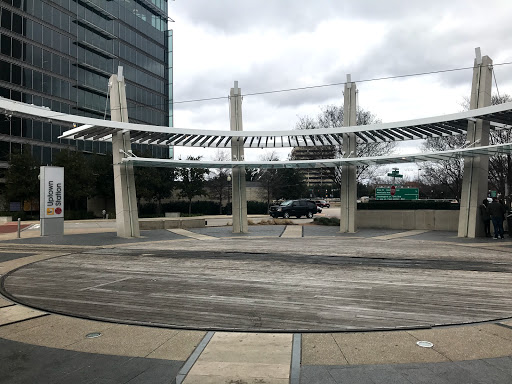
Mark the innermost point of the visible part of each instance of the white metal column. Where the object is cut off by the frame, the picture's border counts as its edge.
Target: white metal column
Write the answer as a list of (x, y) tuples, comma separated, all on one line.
[(476, 169), (127, 219), (239, 200), (348, 194)]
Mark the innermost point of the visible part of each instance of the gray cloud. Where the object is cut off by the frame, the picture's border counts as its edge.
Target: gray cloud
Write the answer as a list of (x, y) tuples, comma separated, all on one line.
[(412, 47), (302, 15), (417, 37)]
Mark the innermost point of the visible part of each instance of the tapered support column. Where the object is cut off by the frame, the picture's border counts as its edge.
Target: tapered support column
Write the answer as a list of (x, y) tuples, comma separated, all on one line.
[(348, 172), (476, 169), (127, 219), (239, 201)]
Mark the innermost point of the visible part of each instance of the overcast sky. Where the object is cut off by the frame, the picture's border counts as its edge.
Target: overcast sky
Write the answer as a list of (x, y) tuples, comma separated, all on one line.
[(281, 44)]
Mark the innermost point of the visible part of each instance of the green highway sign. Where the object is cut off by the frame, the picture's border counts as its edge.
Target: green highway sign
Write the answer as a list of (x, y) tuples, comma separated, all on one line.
[(395, 173), (384, 193)]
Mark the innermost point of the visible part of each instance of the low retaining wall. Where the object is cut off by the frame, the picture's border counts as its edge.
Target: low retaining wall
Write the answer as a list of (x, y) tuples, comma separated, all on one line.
[(166, 223), (436, 220), (5, 219)]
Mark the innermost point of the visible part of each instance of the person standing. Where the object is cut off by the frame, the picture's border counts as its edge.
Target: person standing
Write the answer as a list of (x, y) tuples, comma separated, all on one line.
[(497, 212), (486, 218)]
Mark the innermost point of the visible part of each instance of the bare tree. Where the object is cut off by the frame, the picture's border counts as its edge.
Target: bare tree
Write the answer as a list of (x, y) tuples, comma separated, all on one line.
[(218, 183), (500, 166), (450, 172), (269, 177), (192, 182), (446, 172), (331, 116), (21, 182)]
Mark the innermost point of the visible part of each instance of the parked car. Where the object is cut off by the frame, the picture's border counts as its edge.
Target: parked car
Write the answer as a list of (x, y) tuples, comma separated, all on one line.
[(323, 204), (297, 208)]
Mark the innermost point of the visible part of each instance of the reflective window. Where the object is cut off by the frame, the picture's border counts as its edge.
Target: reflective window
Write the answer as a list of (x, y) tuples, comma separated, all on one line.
[(37, 100), (47, 132), (26, 98), (37, 82), (16, 74), (64, 66), (27, 78), (56, 17), (56, 40), (26, 128), (47, 84), (37, 130), (37, 57), (64, 89), (38, 8), (6, 45), (47, 13), (47, 155), (17, 25), (15, 126), (37, 32), (47, 103), (5, 127), (56, 63), (17, 49), (88, 146), (56, 88), (29, 27), (5, 71), (56, 132), (6, 19), (36, 153), (47, 60), (47, 36)]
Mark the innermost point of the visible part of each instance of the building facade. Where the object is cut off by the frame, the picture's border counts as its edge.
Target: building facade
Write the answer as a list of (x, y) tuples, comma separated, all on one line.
[(315, 177), (60, 54)]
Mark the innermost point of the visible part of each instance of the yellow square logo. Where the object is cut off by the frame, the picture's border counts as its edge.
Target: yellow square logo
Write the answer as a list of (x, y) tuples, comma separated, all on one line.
[(49, 211)]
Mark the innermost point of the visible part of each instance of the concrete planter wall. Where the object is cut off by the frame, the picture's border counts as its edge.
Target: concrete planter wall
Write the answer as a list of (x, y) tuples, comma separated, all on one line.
[(430, 219), (166, 223), (5, 219)]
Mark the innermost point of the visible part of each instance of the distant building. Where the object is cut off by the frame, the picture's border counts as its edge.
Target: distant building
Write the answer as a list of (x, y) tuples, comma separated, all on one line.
[(315, 177), (60, 54)]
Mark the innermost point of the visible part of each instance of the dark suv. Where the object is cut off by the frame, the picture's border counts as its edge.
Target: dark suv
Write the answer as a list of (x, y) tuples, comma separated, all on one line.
[(297, 208)]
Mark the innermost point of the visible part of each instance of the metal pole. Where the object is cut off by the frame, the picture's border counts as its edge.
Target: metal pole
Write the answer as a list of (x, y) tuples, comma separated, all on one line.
[(19, 227)]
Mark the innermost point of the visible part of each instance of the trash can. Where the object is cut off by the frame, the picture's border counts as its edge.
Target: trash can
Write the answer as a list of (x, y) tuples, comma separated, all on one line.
[(509, 223)]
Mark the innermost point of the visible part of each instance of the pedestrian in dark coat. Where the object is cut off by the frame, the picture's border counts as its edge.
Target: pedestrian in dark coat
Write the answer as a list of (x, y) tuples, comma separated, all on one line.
[(486, 218), (497, 213)]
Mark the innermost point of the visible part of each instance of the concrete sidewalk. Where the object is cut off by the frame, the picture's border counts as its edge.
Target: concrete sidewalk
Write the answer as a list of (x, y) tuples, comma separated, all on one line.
[(38, 346)]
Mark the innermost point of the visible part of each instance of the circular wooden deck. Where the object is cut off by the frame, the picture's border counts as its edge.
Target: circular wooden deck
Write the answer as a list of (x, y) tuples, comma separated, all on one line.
[(353, 287)]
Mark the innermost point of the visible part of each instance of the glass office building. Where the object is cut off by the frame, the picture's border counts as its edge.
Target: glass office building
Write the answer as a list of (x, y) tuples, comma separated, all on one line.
[(60, 54)]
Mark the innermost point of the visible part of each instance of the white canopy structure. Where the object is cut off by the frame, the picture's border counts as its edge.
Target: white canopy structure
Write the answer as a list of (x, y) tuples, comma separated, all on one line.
[(499, 116), (475, 124), (325, 163)]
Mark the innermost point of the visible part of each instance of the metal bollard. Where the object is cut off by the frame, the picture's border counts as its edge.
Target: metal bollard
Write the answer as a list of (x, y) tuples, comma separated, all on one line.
[(19, 227)]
